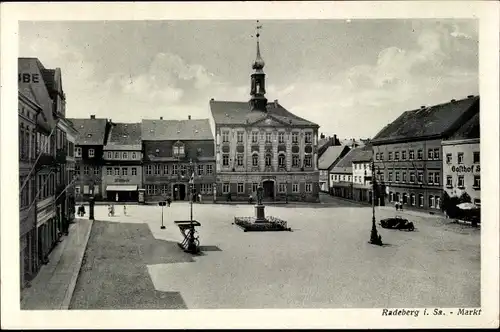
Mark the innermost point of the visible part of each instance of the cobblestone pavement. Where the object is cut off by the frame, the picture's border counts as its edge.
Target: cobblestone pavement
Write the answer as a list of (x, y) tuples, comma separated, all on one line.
[(326, 262)]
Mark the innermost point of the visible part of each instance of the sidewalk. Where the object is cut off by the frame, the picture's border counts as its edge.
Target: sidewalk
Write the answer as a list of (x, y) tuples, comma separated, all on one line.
[(53, 287)]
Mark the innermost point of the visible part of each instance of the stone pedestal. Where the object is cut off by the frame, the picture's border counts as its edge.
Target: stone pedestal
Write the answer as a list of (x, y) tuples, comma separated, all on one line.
[(259, 213)]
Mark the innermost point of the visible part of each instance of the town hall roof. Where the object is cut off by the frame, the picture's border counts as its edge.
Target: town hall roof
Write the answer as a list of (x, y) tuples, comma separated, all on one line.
[(239, 113), (124, 136), (168, 130), (90, 131), (434, 121)]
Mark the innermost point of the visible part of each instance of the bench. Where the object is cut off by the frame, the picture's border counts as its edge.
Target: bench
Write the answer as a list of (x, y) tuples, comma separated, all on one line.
[(190, 241)]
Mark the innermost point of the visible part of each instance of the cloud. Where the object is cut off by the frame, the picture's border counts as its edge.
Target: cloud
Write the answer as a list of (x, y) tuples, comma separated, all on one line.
[(458, 34)]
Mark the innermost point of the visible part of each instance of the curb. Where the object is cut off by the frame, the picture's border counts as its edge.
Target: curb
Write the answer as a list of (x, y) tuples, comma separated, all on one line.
[(72, 284)]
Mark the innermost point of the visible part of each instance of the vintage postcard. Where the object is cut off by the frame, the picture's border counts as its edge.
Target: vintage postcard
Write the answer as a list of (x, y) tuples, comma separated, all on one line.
[(250, 165)]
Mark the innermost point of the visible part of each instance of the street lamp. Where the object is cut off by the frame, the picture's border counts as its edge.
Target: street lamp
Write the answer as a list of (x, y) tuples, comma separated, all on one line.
[(375, 238)]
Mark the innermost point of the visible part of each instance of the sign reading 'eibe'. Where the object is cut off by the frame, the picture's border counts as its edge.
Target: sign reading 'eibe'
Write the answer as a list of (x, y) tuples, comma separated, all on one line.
[(465, 169), (28, 78)]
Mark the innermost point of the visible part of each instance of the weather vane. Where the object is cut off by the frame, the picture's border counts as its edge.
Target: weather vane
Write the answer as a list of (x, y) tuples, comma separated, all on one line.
[(258, 28)]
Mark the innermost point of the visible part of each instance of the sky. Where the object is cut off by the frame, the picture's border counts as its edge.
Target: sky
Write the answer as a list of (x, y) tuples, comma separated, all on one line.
[(351, 77)]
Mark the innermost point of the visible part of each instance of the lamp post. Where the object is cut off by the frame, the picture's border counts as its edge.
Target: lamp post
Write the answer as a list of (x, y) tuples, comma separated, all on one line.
[(375, 238)]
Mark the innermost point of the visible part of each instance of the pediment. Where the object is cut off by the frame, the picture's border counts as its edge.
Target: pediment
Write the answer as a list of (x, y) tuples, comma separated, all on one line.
[(269, 121)]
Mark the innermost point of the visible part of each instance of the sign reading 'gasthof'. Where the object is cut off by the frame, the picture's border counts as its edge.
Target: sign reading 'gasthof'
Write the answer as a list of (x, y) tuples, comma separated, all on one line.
[(466, 169)]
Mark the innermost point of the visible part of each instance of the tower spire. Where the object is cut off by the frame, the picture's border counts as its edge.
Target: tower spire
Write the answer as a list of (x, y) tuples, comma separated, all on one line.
[(258, 101)]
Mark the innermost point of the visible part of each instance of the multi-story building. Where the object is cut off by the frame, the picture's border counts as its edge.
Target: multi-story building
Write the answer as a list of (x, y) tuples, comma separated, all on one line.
[(28, 112), (327, 161), (173, 151), (408, 152), (362, 174), (461, 162), (341, 175), (122, 170), (325, 142), (71, 134), (90, 140), (261, 143)]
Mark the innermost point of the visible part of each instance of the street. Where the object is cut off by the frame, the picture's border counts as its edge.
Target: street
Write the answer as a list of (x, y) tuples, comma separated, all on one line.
[(326, 262)]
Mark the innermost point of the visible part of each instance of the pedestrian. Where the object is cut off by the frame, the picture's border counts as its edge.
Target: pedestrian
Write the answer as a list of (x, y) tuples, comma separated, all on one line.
[(109, 210), (169, 200), (401, 205), (199, 198), (396, 205), (124, 210)]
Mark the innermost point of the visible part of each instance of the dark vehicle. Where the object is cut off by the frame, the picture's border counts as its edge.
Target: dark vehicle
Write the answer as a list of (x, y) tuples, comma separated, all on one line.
[(397, 223)]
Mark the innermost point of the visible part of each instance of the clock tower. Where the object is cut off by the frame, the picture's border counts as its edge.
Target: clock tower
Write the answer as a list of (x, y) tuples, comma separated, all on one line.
[(258, 101)]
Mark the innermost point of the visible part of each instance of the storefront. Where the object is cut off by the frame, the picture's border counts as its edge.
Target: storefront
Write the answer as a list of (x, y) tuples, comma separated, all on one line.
[(122, 193)]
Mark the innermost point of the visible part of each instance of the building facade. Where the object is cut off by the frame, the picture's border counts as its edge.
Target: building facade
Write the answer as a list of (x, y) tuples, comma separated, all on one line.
[(122, 170), (261, 143), (174, 150), (89, 145), (28, 111), (408, 154), (327, 161), (362, 176)]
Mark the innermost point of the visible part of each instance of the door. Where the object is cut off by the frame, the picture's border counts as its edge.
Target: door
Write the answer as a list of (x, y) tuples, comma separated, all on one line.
[(268, 187), (179, 191)]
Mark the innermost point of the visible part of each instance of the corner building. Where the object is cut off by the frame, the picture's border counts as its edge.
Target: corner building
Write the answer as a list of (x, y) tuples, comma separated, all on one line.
[(261, 143)]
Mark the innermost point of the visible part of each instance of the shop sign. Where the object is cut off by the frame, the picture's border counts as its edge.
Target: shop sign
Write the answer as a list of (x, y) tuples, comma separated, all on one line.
[(466, 169), (122, 180)]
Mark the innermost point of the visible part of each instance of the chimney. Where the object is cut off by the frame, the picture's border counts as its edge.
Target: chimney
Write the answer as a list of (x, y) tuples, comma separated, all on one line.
[(189, 117), (212, 99), (92, 116), (334, 139), (161, 117), (276, 103), (470, 96), (453, 100), (422, 107)]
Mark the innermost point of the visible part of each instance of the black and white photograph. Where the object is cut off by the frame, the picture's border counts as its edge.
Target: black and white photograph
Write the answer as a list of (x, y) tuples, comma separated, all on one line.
[(172, 166)]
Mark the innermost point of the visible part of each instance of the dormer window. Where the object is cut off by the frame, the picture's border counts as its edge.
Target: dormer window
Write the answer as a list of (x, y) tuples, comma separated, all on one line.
[(308, 138), (125, 155), (78, 152), (89, 135), (117, 155), (178, 149), (91, 153)]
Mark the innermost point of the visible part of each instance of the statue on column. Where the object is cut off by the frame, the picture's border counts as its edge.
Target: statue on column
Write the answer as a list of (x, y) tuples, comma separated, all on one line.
[(259, 195)]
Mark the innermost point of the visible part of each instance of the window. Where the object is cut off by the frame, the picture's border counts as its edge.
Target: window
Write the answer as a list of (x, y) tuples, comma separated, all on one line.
[(411, 154), (96, 189), (412, 177), (404, 176), (268, 137), (282, 187), (148, 169), (460, 157), (477, 182), (77, 190), (200, 169), (78, 152), (134, 170), (431, 201), (175, 169), (430, 178), (86, 189), (254, 187), (125, 155), (210, 170), (397, 176), (420, 200), (225, 188), (436, 153), (149, 189), (117, 155), (157, 169), (308, 138), (437, 179), (391, 196), (225, 136), (295, 138), (389, 178), (420, 154), (124, 171), (281, 160), (381, 156), (475, 157), (420, 177), (405, 198), (239, 136), (239, 160), (134, 155), (403, 155), (268, 160), (295, 160), (183, 170), (412, 198), (281, 137), (164, 190), (448, 158), (255, 160), (396, 155), (117, 171), (376, 156), (449, 181), (390, 156), (109, 155), (438, 202), (85, 170), (96, 170), (109, 171), (308, 161), (461, 183), (295, 187), (430, 154), (91, 153), (165, 169), (225, 160), (77, 170), (309, 188), (255, 136), (240, 188)]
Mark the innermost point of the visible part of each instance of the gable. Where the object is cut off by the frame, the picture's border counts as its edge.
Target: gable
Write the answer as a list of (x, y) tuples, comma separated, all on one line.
[(269, 121)]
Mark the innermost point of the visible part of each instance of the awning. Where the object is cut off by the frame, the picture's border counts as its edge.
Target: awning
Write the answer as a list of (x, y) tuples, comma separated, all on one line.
[(121, 188)]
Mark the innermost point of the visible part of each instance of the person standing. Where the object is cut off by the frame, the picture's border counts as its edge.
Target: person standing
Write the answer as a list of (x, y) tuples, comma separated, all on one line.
[(124, 210)]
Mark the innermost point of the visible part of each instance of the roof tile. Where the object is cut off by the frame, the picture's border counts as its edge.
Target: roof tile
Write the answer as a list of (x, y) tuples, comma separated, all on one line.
[(162, 130), (90, 131)]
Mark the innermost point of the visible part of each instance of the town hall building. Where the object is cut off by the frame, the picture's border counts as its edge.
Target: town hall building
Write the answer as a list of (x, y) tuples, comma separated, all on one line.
[(262, 143)]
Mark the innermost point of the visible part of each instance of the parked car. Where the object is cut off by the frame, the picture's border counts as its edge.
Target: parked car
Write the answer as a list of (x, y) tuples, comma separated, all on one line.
[(397, 223)]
